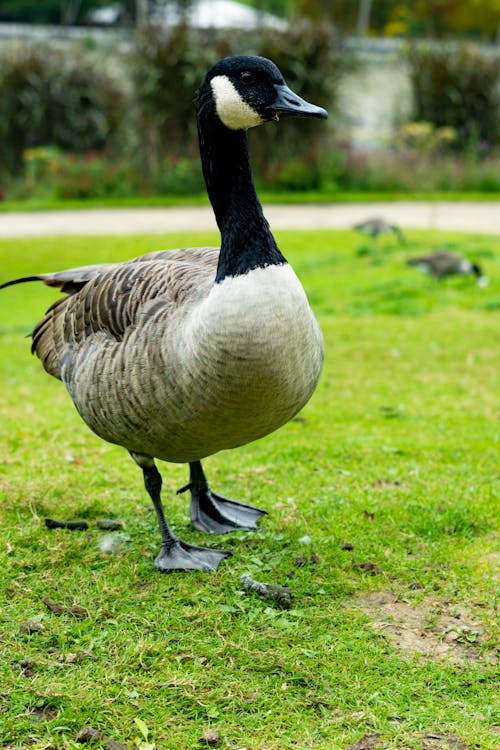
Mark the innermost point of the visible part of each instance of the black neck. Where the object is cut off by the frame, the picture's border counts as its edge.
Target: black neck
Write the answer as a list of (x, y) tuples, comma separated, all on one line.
[(246, 239)]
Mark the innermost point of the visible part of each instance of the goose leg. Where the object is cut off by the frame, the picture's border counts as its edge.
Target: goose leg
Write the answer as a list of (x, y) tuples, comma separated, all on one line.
[(174, 554), (213, 513)]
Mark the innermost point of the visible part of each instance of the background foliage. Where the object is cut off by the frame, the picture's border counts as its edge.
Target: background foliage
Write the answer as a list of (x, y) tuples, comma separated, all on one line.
[(124, 123), (457, 87), (58, 97), (478, 19)]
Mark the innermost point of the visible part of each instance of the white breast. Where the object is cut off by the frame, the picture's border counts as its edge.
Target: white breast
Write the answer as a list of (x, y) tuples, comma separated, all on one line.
[(256, 335), (227, 370)]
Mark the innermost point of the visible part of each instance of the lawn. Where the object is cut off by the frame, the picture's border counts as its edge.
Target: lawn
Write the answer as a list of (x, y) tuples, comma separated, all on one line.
[(266, 196), (383, 522)]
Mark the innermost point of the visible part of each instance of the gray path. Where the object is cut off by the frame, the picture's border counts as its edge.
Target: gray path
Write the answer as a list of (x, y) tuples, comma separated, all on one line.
[(481, 218)]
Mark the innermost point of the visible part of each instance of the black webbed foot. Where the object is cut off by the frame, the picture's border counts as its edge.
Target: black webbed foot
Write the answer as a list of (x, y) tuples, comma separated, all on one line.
[(182, 556), (216, 514), (174, 554)]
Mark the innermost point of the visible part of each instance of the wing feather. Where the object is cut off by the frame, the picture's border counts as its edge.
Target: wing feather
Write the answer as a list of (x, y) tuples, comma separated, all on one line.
[(110, 298)]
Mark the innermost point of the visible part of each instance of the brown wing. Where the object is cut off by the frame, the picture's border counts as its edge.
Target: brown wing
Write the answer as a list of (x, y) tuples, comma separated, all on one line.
[(114, 297)]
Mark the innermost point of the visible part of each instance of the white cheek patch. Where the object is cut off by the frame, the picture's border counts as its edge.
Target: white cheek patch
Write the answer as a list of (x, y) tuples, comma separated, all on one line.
[(235, 113)]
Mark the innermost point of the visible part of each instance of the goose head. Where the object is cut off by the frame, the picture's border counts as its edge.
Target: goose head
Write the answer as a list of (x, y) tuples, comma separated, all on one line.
[(244, 91)]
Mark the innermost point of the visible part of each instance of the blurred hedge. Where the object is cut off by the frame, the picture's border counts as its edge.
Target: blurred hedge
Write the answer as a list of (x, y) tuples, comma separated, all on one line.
[(457, 86), (66, 97), (59, 97), (115, 133)]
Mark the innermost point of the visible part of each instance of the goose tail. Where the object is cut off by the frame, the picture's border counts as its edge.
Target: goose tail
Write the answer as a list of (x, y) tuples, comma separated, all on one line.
[(69, 282)]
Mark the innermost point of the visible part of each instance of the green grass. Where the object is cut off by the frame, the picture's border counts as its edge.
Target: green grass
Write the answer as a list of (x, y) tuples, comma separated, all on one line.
[(290, 197), (396, 455)]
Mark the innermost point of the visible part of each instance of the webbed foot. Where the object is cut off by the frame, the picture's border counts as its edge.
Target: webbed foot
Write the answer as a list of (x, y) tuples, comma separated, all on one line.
[(174, 553), (182, 556), (216, 514)]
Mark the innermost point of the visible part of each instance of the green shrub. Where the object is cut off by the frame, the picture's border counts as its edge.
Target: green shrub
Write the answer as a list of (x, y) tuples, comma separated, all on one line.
[(179, 176), (49, 173), (94, 175), (457, 86), (408, 170), (49, 96)]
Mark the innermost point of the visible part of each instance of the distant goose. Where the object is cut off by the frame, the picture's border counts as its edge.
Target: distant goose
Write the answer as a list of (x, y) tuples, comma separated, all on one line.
[(377, 226), (442, 263), (179, 354)]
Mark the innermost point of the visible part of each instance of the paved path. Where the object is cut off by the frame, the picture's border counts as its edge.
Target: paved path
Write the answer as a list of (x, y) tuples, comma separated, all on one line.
[(481, 218)]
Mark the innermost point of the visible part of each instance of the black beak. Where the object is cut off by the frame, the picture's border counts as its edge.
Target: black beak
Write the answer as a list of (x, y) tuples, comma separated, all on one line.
[(288, 104)]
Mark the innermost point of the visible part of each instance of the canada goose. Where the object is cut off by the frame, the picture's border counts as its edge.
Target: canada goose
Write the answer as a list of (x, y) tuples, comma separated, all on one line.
[(377, 226), (179, 354), (442, 263)]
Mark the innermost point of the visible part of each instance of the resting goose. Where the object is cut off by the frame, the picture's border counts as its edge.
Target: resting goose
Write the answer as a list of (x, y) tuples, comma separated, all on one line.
[(443, 263), (176, 355)]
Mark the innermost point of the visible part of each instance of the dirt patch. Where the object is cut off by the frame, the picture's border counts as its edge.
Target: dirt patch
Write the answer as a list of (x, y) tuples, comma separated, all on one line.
[(434, 629), (42, 713), (438, 741), (420, 741), (368, 742)]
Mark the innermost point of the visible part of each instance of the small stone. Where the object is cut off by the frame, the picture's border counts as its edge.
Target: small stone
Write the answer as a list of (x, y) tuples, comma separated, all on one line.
[(211, 737), (369, 567), (68, 658), (27, 663), (300, 561), (88, 734), (109, 524), (31, 626), (27, 666)]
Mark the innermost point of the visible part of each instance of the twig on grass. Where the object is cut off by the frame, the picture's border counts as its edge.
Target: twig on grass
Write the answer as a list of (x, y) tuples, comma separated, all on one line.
[(279, 594), (52, 523)]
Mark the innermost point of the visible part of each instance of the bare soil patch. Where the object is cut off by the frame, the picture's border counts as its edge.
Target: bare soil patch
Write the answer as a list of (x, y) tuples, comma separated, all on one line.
[(434, 629), (429, 741)]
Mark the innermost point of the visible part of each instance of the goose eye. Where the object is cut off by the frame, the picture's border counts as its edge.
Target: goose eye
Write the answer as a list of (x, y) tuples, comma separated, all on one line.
[(247, 77)]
